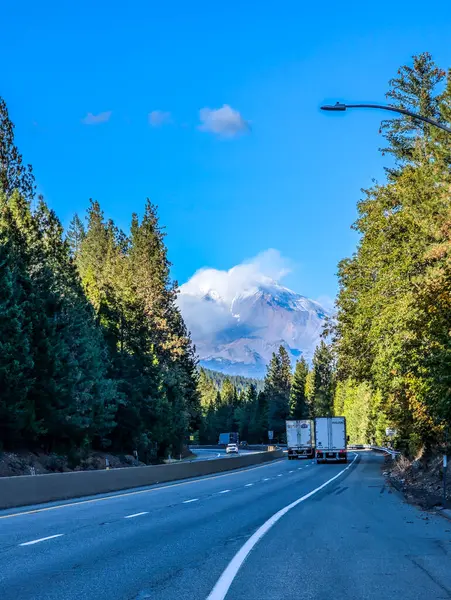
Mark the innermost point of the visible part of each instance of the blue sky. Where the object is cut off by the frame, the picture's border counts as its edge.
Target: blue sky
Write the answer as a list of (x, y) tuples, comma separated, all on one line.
[(291, 183)]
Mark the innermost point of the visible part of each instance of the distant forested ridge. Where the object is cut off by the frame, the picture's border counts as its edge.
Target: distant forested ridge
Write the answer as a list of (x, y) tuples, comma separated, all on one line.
[(239, 381)]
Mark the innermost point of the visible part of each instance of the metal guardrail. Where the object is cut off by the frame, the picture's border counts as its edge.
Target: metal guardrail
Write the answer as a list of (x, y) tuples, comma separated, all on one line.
[(390, 451)]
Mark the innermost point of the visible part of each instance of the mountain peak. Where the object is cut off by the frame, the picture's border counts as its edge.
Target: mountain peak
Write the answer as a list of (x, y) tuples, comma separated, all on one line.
[(238, 334)]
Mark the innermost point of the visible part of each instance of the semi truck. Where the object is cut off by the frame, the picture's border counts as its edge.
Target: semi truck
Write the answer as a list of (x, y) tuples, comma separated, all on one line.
[(300, 439), (331, 439), (228, 438)]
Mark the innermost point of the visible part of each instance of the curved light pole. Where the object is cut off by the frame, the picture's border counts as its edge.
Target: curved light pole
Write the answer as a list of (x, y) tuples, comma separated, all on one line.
[(342, 107)]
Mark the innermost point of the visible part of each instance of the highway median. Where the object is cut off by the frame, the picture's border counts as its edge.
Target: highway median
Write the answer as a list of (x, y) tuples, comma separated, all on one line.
[(38, 489)]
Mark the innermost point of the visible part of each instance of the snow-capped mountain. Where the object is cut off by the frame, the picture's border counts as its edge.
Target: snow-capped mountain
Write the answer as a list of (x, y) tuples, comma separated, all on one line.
[(237, 335)]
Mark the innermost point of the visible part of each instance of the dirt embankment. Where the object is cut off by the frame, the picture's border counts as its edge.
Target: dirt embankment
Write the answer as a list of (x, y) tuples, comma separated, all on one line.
[(420, 480), (39, 463)]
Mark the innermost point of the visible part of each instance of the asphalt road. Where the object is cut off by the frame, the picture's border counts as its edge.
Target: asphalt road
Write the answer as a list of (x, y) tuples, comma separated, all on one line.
[(213, 454), (352, 539)]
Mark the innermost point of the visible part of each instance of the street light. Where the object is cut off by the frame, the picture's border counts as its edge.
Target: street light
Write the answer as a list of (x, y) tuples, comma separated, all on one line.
[(342, 107)]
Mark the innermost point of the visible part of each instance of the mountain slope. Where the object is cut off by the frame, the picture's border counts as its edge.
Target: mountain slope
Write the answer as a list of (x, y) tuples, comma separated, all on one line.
[(238, 336)]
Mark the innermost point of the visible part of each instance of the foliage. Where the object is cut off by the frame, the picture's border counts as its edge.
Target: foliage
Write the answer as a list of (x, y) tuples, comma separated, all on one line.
[(239, 381), (321, 386), (93, 349), (392, 334), (299, 405), (277, 391)]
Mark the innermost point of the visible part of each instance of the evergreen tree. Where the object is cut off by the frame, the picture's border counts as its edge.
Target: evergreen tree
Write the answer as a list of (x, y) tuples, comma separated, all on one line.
[(323, 381), (16, 361), (75, 235), (414, 89), (277, 391), (299, 405), (14, 174)]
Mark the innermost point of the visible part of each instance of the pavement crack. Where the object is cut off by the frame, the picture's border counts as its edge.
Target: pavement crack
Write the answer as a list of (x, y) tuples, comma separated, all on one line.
[(431, 577)]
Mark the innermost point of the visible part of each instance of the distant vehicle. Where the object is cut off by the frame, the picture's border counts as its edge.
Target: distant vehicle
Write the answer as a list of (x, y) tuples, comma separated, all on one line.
[(331, 440), (228, 438), (232, 449), (244, 444), (300, 439)]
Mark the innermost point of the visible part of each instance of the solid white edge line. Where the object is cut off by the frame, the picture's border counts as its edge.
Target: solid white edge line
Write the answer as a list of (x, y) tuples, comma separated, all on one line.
[(188, 501), (136, 515), (50, 537), (220, 590)]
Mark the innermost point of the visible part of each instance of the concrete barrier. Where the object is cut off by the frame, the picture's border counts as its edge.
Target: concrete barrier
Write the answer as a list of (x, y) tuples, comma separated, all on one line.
[(37, 489)]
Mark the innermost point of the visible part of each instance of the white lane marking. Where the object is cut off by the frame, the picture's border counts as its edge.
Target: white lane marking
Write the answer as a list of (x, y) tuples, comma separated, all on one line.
[(280, 475), (248, 484), (266, 479), (146, 491), (136, 515), (50, 537), (307, 465), (223, 584), (290, 471), (224, 492), (192, 500), (299, 468)]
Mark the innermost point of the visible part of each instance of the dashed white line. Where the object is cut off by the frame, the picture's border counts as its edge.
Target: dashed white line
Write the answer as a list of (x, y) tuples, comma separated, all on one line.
[(290, 471), (219, 592), (248, 484), (50, 537), (224, 491), (136, 515), (299, 468), (266, 479), (192, 500), (280, 475)]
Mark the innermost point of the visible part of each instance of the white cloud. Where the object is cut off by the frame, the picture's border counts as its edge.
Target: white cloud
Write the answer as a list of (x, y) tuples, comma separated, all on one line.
[(205, 317), (159, 117), (102, 117), (224, 122)]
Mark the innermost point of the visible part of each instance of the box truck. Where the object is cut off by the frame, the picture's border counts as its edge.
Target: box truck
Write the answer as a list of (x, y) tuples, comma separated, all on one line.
[(228, 438), (300, 439), (331, 439)]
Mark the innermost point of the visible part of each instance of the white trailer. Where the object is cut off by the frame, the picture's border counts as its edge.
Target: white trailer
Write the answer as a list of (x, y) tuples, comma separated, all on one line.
[(331, 440), (300, 439)]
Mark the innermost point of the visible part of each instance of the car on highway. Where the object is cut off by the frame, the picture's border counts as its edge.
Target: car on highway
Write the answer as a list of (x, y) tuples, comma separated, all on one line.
[(232, 449)]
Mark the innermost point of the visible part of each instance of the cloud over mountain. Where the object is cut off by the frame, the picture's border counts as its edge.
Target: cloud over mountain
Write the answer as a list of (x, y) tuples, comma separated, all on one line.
[(239, 317)]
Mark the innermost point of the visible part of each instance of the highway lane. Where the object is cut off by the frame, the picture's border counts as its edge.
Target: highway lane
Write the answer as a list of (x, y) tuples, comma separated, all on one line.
[(174, 541), (213, 454)]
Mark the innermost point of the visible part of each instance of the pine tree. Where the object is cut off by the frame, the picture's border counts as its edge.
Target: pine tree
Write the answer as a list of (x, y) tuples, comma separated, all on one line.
[(414, 89), (277, 391), (323, 381), (14, 174), (75, 235), (16, 361), (299, 405)]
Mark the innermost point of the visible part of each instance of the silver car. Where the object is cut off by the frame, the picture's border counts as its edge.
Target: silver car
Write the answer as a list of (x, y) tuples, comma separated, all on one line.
[(232, 449)]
